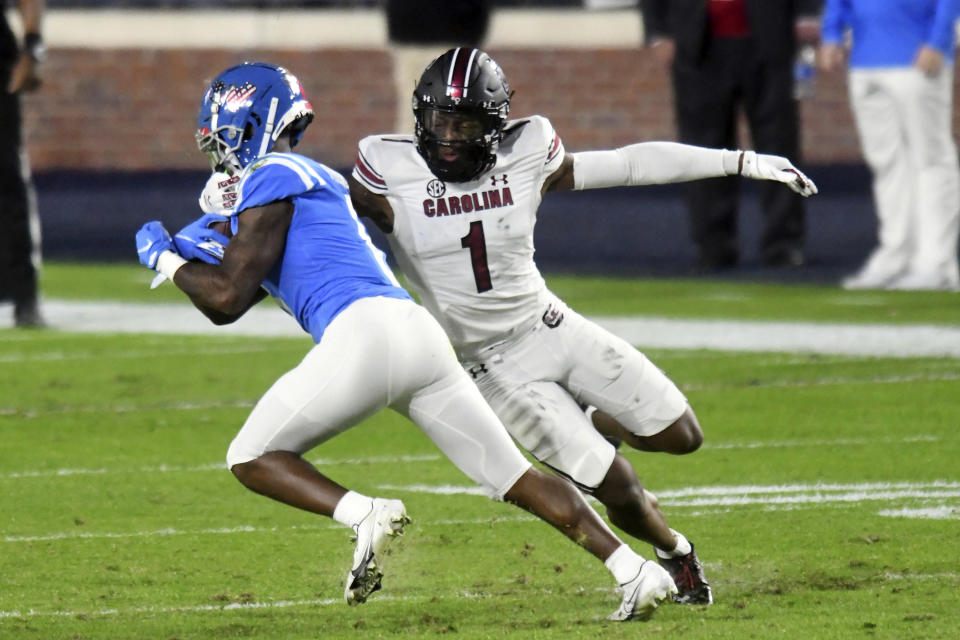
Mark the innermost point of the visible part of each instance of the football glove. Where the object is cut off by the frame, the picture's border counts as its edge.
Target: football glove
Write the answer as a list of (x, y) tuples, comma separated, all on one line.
[(198, 241), (152, 240), (760, 166), (219, 195)]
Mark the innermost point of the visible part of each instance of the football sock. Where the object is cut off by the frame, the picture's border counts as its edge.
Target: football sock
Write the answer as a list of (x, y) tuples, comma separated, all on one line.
[(352, 508), (624, 564), (683, 547)]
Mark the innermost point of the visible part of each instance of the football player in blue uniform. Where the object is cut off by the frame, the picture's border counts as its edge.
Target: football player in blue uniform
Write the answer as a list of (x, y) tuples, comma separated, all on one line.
[(293, 234)]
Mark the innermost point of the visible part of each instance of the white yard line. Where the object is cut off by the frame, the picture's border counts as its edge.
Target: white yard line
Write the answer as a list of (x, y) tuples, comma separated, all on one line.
[(799, 337), (131, 354), (218, 466), (727, 335), (925, 513), (433, 457), (755, 494)]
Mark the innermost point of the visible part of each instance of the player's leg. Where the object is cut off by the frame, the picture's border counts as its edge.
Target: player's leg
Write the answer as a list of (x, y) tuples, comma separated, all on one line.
[(631, 507), (464, 427), (636, 402), (455, 416), (468, 432), (573, 449), (651, 413), (306, 406), (340, 381), (683, 435)]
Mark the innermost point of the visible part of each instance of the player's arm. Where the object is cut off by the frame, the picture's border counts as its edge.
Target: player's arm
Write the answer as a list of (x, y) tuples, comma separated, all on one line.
[(667, 162), (225, 291), (371, 205)]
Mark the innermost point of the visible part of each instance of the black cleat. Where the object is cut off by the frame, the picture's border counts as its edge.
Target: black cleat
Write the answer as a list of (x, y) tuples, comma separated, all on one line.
[(687, 574)]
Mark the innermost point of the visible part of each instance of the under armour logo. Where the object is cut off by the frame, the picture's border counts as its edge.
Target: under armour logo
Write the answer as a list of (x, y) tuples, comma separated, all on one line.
[(552, 317), (494, 180), (477, 370), (436, 188)]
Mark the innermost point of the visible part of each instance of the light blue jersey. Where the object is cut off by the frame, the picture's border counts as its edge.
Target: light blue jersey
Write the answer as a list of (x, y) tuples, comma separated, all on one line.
[(888, 33), (329, 260)]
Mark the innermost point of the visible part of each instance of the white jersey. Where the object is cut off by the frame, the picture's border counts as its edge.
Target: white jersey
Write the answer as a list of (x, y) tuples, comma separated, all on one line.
[(467, 248)]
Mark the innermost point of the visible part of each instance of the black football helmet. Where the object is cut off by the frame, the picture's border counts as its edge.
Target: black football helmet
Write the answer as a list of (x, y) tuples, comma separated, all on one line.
[(460, 105)]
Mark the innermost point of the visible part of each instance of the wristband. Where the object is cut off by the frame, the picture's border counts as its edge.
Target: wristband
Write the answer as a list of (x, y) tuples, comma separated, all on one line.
[(169, 262), (732, 162), (33, 46)]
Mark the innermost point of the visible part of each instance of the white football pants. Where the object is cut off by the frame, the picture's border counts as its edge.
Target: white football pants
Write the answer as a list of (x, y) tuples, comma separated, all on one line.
[(905, 126), (536, 382), (383, 352)]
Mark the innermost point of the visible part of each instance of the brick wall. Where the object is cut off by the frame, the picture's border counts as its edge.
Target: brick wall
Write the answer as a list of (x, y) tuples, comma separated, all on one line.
[(134, 109)]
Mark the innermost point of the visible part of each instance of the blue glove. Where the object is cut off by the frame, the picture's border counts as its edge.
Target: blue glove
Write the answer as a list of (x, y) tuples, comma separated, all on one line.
[(198, 241), (152, 240)]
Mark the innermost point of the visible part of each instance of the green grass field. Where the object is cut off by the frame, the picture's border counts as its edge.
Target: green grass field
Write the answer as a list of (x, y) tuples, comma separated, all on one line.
[(825, 502)]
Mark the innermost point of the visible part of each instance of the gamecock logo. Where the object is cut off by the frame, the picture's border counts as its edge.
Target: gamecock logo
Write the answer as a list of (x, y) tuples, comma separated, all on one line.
[(552, 317)]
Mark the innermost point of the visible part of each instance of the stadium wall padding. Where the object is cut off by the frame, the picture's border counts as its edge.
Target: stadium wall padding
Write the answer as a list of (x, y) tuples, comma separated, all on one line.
[(111, 133), (628, 231)]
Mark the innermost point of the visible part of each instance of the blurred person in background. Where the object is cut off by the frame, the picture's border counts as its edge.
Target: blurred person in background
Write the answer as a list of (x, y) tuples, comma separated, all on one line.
[(901, 93), (20, 240), (419, 31), (726, 55)]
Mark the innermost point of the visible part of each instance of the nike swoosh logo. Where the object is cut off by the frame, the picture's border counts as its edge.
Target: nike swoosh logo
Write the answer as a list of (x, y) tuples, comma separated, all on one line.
[(362, 567)]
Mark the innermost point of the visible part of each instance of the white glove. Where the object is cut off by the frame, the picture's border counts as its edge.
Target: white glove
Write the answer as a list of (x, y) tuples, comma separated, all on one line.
[(220, 193), (760, 166)]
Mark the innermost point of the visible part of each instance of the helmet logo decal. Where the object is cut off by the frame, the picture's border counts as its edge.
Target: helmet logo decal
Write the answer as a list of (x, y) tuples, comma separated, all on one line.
[(236, 97), (458, 80), (436, 188)]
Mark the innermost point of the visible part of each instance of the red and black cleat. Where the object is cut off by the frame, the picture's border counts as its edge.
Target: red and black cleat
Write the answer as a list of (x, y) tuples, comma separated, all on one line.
[(687, 574)]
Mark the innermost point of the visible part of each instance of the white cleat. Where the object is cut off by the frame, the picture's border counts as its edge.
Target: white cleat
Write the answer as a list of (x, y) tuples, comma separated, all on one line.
[(386, 520), (643, 594)]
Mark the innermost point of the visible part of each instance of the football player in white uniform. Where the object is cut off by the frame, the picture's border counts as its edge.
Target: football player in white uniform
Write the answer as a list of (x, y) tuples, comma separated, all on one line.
[(458, 202)]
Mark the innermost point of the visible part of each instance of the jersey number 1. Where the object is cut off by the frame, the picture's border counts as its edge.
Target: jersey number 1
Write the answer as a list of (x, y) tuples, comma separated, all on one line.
[(478, 256)]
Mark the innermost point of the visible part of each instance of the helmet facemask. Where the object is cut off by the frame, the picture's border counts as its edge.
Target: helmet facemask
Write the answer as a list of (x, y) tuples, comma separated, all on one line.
[(221, 144), (458, 145)]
